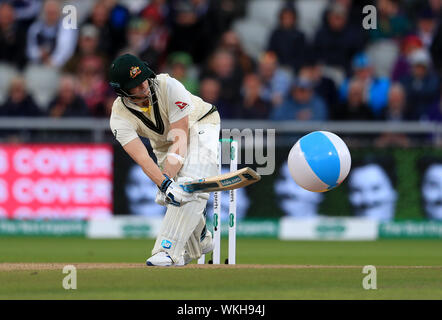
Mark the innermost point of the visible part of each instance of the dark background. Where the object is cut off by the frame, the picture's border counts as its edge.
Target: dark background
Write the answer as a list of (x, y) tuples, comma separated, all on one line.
[(403, 167)]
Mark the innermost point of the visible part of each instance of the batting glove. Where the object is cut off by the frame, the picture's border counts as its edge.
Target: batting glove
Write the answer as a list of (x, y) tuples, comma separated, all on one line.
[(174, 194)]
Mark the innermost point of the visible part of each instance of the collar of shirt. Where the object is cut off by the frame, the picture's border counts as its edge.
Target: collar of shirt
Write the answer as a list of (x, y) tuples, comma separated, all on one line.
[(132, 105)]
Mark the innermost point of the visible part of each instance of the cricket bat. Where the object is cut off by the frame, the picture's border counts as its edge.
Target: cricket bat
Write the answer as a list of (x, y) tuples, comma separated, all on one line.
[(228, 181)]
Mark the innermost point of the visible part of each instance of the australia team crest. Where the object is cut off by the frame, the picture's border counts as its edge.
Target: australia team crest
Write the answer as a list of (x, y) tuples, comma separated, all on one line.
[(134, 71)]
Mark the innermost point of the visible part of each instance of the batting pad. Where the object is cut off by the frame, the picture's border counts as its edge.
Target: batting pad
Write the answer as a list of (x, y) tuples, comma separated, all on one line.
[(177, 227), (193, 245)]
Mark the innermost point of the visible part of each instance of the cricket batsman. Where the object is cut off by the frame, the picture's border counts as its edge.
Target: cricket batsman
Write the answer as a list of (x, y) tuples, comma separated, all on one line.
[(183, 131)]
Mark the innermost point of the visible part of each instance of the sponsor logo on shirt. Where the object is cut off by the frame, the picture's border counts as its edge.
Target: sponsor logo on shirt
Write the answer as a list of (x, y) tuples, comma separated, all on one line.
[(181, 104)]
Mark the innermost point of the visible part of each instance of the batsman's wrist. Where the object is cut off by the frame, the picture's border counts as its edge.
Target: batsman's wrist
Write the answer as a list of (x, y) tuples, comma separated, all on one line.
[(165, 184), (176, 156)]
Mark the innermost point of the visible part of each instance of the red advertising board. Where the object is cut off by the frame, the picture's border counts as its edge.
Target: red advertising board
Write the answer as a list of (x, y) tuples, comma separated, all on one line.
[(55, 181)]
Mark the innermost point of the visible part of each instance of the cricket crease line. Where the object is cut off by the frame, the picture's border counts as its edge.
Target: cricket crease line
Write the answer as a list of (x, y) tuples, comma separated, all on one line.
[(59, 266)]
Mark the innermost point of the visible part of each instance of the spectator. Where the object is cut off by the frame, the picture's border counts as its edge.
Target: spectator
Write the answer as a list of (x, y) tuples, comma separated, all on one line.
[(158, 33), (68, 103), (355, 108), (324, 86), (435, 111), (230, 42), (157, 9), (157, 15), (354, 8), (112, 38), (146, 40), (210, 91), (180, 62), (276, 81), (135, 7), (26, 11), (426, 27), (417, 6), (93, 86), (422, 85), (196, 28), (119, 18), (117, 21), (87, 47), (19, 103), (138, 43), (436, 49), (12, 37), (48, 42), (287, 41), (402, 66), (436, 8), (229, 10), (302, 104), (391, 23), (376, 88), (253, 106), (222, 67), (395, 111), (337, 41)]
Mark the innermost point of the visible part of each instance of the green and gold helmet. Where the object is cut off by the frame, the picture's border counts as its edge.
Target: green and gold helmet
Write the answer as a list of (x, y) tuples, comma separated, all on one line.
[(127, 72)]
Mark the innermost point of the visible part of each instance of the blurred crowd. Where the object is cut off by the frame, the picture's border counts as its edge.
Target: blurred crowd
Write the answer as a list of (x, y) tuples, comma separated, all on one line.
[(342, 72)]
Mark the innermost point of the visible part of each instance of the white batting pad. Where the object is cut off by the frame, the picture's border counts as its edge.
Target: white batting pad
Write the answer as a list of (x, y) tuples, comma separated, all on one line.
[(177, 227), (193, 245)]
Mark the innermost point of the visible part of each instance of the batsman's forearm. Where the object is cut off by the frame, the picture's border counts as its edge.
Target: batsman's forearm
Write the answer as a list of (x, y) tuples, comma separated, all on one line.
[(152, 170), (174, 161), (177, 152), (139, 154)]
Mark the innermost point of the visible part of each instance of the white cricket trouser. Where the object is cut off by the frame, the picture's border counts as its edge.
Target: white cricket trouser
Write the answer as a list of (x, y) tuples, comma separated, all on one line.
[(179, 223)]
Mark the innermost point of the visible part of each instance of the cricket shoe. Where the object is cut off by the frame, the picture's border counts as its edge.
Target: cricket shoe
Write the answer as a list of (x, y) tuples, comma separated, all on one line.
[(162, 259)]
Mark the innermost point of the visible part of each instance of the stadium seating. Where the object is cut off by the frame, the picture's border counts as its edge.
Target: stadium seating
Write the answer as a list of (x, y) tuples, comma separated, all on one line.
[(7, 72), (254, 30), (42, 83), (310, 15), (262, 17)]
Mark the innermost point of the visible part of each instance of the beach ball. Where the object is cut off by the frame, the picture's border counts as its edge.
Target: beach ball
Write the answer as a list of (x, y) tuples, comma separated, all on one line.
[(319, 161)]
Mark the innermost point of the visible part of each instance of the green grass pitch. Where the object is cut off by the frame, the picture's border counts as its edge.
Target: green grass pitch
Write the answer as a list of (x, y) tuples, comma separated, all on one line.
[(406, 269)]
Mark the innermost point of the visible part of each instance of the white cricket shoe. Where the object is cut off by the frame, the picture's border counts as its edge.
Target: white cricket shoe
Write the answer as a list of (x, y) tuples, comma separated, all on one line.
[(162, 259)]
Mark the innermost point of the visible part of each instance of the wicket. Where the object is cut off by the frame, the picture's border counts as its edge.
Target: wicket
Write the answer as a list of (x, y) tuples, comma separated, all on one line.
[(217, 196)]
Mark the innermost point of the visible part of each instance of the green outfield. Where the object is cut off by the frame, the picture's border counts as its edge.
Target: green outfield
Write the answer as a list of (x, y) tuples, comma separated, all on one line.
[(31, 268)]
